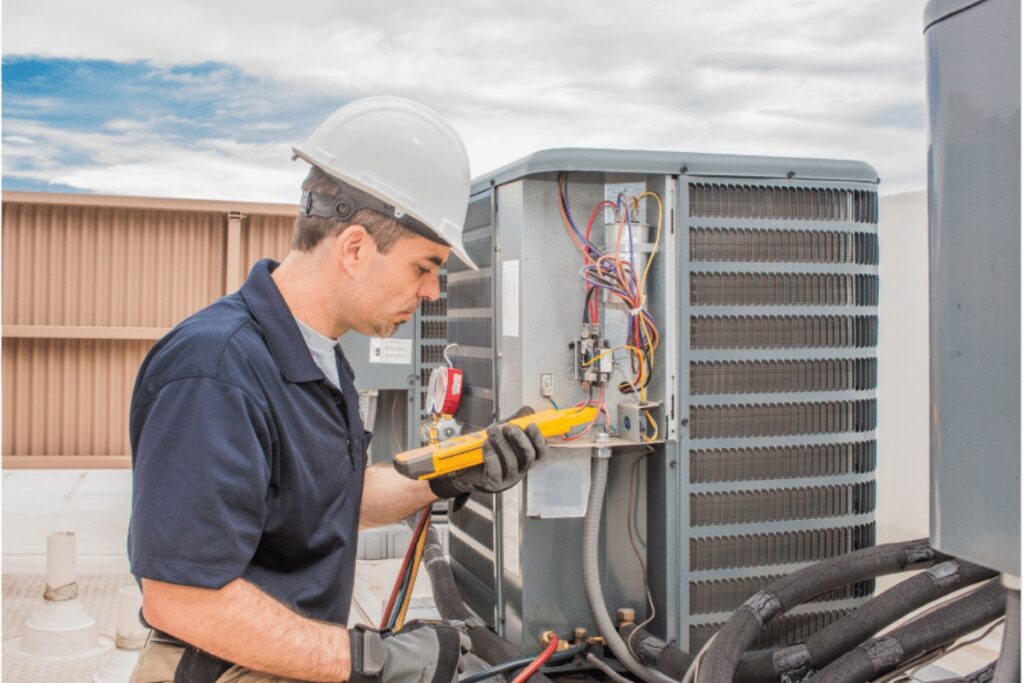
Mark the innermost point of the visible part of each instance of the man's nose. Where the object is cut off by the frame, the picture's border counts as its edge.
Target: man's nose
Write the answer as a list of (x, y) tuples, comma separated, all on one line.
[(431, 288)]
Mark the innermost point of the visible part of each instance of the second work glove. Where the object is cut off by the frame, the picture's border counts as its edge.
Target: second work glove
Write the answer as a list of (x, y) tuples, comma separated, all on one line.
[(422, 652), (508, 453)]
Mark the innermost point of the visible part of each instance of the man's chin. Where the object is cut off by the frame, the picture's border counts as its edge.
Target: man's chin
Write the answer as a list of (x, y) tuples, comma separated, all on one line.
[(385, 329)]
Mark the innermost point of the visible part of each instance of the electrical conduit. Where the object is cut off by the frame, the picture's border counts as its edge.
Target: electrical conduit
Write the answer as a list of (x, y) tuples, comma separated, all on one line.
[(592, 575)]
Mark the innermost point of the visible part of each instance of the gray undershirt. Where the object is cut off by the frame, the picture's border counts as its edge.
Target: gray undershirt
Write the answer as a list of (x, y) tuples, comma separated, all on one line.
[(322, 348)]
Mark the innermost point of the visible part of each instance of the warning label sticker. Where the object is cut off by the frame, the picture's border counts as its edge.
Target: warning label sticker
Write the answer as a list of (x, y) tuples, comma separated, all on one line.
[(391, 351)]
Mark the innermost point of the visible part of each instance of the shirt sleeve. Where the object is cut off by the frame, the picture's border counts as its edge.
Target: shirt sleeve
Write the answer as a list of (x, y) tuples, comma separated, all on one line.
[(201, 478)]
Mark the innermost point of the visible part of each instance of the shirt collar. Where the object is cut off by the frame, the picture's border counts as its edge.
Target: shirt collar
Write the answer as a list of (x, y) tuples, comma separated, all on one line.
[(282, 333)]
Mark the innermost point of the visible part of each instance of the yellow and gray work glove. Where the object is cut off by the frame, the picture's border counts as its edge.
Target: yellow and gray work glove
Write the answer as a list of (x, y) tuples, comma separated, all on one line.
[(508, 453), (422, 652)]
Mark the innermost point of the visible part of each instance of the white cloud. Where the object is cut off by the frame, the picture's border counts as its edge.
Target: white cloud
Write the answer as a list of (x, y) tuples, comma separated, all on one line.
[(132, 161), (788, 77)]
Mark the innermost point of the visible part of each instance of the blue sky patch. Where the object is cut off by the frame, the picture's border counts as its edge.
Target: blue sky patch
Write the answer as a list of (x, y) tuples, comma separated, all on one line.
[(185, 107)]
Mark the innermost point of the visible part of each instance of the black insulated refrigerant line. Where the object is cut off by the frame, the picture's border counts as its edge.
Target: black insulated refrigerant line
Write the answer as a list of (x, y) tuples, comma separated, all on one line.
[(652, 651), (743, 627), (924, 634), (839, 637), (487, 645)]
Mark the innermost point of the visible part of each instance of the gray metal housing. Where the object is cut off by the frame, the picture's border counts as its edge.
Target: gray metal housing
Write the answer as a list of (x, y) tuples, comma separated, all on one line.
[(765, 291), (973, 52)]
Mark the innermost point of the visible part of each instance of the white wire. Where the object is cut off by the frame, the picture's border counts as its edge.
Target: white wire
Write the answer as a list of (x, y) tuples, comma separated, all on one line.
[(691, 673), (447, 359)]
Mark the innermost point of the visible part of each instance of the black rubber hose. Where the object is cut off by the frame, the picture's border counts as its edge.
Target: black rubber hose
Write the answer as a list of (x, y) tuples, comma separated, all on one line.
[(487, 645), (1008, 666), (743, 627), (853, 629), (983, 675), (924, 634), (652, 651)]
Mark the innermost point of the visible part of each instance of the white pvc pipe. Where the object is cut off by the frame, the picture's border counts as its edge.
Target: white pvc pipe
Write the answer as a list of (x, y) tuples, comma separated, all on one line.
[(131, 634), (60, 565)]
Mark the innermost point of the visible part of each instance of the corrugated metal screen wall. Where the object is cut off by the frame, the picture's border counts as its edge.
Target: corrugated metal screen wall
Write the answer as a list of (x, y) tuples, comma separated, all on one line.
[(89, 284)]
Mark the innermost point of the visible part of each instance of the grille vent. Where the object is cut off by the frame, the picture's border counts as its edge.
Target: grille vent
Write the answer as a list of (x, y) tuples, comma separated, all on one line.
[(780, 419), (473, 592), (783, 630), (437, 308), (474, 573), (479, 250), (432, 353), (782, 462), (783, 289), (470, 331), (470, 293), (719, 200), (773, 505), (783, 246), (475, 411), (477, 372), (433, 329), (753, 377), (476, 526), (726, 595), (752, 332), (784, 547)]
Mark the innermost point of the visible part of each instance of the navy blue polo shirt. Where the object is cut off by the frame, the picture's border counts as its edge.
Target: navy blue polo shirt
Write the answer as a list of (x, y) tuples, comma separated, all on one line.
[(246, 461)]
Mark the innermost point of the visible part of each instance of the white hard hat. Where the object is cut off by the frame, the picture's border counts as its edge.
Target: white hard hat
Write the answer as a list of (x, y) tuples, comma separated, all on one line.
[(403, 154)]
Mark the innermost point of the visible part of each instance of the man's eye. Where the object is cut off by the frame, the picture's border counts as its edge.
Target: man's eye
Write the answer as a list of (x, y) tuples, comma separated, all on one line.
[(423, 271)]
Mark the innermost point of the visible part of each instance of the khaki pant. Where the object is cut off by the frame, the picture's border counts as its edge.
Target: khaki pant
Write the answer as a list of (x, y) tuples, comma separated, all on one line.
[(158, 662)]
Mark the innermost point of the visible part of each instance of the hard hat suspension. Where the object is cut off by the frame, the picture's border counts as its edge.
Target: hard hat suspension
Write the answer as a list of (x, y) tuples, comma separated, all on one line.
[(344, 204)]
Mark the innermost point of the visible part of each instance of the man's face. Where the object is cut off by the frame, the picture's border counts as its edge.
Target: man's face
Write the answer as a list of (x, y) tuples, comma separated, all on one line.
[(393, 285)]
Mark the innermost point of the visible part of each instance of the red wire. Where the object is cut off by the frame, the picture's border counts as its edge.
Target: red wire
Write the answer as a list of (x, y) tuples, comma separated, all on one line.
[(540, 661), (409, 552)]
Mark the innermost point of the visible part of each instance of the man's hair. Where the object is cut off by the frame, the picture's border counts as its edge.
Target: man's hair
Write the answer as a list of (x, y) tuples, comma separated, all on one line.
[(311, 230)]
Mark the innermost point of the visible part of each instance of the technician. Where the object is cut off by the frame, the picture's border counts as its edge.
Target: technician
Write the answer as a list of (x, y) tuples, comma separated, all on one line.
[(248, 452)]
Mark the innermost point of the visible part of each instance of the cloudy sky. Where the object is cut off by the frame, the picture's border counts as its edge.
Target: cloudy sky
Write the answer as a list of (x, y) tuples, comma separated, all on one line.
[(202, 99)]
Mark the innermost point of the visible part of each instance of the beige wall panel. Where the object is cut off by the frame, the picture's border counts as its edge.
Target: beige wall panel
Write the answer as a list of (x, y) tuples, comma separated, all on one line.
[(89, 283), (68, 396), (265, 237), (103, 266)]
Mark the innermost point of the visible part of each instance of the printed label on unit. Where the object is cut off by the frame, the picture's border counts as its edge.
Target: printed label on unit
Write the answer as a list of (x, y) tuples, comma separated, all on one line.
[(510, 298), (391, 351), (511, 504)]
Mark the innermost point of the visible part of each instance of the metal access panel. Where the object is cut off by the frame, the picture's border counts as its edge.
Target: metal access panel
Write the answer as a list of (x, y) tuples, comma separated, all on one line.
[(973, 53), (765, 290)]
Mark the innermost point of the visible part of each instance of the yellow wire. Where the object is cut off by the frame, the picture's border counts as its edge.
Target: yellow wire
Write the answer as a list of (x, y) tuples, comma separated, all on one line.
[(654, 426), (612, 350), (640, 357), (417, 557), (657, 241)]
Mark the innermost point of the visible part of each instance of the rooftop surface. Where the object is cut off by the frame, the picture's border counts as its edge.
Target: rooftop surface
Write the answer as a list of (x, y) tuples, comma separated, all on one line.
[(94, 504)]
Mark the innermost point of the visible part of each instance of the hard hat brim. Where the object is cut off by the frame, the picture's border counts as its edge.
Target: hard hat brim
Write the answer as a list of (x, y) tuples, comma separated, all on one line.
[(457, 249)]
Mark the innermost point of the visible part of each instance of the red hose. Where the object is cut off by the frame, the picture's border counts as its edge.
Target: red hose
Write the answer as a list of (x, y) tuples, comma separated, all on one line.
[(536, 664)]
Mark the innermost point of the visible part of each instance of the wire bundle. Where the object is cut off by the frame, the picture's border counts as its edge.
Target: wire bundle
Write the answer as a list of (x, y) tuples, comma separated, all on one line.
[(401, 595), (611, 270)]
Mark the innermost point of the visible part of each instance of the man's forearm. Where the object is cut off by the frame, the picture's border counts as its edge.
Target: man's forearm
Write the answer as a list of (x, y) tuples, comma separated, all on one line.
[(243, 625), (389, 497)]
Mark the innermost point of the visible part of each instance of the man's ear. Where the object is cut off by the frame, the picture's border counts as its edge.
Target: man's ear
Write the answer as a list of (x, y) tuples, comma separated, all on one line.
[(353, 248)]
